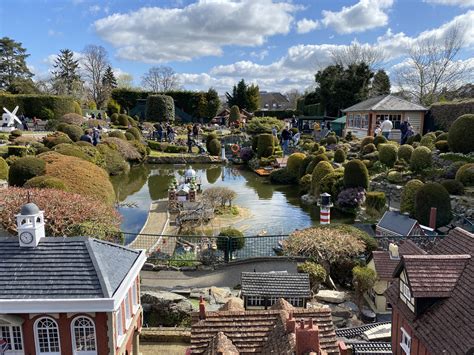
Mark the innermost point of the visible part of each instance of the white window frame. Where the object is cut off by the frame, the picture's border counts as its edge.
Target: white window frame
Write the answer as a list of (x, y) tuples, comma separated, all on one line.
[(16, 348), (38, 352), (255, 301), (405, 292), (119, 326), (135, 299), (74, 340), (405, 342), (128, 310)]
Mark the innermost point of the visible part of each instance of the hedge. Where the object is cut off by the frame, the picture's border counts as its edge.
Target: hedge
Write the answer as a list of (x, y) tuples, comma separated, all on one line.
[(3, 169), (375, 200), (32, 105), (313, 110), (294, 163), (24, 169), (356, 174), (433, 195), (444, 113), (159, 108), (280, 114), (461, 134), (17, 150)]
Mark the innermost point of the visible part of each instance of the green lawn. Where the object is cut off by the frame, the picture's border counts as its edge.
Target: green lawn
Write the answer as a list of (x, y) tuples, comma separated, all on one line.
[(155, 153)]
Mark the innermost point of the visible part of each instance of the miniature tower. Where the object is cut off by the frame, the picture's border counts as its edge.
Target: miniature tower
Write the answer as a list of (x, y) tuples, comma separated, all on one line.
[(325, 208), (171, 196), (30, 225), (192, 192)]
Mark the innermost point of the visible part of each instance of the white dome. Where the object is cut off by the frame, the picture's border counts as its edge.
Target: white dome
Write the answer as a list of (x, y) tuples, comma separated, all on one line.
[(190, 173)]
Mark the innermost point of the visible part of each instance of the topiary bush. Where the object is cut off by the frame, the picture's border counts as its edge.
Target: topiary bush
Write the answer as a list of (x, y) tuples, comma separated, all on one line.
[(294, 163), (214, 147), (375, 200), (368, 148), (73, 132), (317, 274), (122, 120), (442, 146), (465, 175), (17, 150), (461, 133), (332, 183), (129, 136), (431, 195), (72, 118), (56, 138), (159, 108), (114, 118), (45, 182), (115, 164), (259, 125), (407, 200), (315, 148), (340, 156), (282, 176), (428, 140), (304, 165), (366, 140), (331, 140), (421, 158), (379, 140), (135, 132), (454, 187), (442, 137), (322, 169), (405, 151), (125, 148), (265, 147), (230, 239), (24, 169), (316, 159), (305, 184), (394, 177), (388, 154), (356, 174), (3, 169), (118, 134)]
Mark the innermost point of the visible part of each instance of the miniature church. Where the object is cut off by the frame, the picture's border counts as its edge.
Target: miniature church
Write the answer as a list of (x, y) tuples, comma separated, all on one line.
[(184, 191)]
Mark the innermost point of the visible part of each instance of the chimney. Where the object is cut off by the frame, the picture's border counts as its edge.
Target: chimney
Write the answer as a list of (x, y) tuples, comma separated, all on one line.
[(393, 250), (433, 218), (290, 324), (202, 309), (307, 339), (342, 348)]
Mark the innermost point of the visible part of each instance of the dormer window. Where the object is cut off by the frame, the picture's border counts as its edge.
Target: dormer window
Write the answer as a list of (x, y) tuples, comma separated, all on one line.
[(405, 292)]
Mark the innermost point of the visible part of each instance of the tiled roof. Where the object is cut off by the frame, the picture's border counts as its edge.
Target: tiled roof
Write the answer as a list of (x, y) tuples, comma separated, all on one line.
[(220, 344), (354, 332), (372, 348), (262, 331), (397, 222), (447, 326), (385, 103), (276, 284), (74, 267)]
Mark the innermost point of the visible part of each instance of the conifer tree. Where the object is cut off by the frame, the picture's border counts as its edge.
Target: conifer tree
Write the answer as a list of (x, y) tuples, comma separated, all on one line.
[(66, 78), (380, 84), (109, 79), (13, 68)]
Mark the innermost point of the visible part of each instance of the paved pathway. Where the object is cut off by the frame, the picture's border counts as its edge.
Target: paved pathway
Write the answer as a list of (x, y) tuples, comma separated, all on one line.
[(228, 275)]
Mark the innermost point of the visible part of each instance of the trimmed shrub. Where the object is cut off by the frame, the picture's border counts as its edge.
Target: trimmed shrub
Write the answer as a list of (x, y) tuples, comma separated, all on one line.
[(16, 133), (315, 161), (17, 150), (394, 177), (332, 183), (246, 153), (388, 154), (46, 114), (173, 148), (56, 138), (125, 148), (74, 132), (135, 132), (214, 147), (122, 120), (331, 140), (159, 108), (3, 169), (45, 182), (407, 200), (72, 118), (120, 134), (413, 139), (304, 165), (465, 175), (24, 169), (442, 137), (282, 176), (113, 107), (114, 118), (433, 195), (305, 184), (442, 146), (259, 125), (340, 156), (375, 200), (356, 174), (379, 140), (230, 237), (115, 164), (77, 108), (421, 159), (454, 187), (317, 274), (316, 147), (234, 115), (461, 133), (265, 147), (366, 140), (320, 171), (405, 151), (294, 163), (129, 136), (84, 151), (368, 148), (428, 140)]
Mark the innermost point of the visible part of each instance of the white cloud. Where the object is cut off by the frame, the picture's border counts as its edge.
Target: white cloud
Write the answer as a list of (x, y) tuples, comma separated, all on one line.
[(94, 9), (157, 35), (259, 54), (462, 3), (53, 33), (305, 25), (364, 15)]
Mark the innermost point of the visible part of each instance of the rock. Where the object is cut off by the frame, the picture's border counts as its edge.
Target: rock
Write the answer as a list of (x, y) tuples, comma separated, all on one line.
[(187, 268), (197, 293), (331, 296), (309, 199), (351, 305), (339, 322), (148, 267), (162, 308), (158, 297), (160, 267), (220, 295), (340, 311)]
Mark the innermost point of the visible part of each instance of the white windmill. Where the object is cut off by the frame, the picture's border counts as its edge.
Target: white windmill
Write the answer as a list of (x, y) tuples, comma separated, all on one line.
[(8, 120)]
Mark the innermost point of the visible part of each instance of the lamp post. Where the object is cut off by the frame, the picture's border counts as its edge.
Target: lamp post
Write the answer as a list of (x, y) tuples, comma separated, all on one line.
[(325, 205)]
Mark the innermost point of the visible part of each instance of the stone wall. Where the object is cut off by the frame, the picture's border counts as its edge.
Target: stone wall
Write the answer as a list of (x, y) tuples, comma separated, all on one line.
[(198, 159), (392, 191)]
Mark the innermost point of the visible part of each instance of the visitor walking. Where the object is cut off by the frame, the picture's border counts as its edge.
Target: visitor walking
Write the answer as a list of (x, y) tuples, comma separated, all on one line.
[(159, 131), (285, 140), (274, 131), (196, 132), (24, 121), (190, 140), (324, 130), (386, 127), (170, 133), (87, 136), (95, 136), (404, 130), (35, 123), (378, 130), (410, 132)]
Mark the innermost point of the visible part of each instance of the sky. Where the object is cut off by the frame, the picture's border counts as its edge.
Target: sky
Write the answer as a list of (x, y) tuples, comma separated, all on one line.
[(278, 45)]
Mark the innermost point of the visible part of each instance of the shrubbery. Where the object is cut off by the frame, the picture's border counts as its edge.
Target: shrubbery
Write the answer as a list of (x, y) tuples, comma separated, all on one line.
[(421, 159), (56, 138), (282, 176), (74, 132), (340, 156), (159, 108), (331, 140), (135, 132), (388, 154), (17, 150), (115, 164), (433, 195), (407, 201), (366, 140), (379, 140), (317, 274), (332, 183), (320, 171), (125, 148), (465, 175), (294, 163), (314, 161), (442, 146), (3, 169), (356, 174), (351, 198), (24, 169), (428, 140), (259, 125), (368, 148), (121, 135), (375, 200), (265, 145), (461, 133), (405, 151), (230, 239), (394, 177), (72, 118), (32, 105), (305, 184), (214, 147), (454, 187), (45, 182)]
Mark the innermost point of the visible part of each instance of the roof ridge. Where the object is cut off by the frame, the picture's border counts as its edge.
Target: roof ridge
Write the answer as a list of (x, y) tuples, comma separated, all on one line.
[(438, 256), (104, 283), (124, 247), (379, 102)]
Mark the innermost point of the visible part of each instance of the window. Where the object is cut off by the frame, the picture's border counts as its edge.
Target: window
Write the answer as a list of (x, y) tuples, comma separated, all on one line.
[(295, 301), (405, 293), (134, 293), (12, 335), (118, 321), (358, 120), (83, 335), (254, 301), (128, 310), (47, 337), (406, 342)]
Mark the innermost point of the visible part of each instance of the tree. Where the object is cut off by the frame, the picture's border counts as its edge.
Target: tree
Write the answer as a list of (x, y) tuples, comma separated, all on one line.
[(109, 80), (246, 97), (356, 53), (253, 98), (234, 115), (213, 103), (95, 63), (66, 78), (432, 66), (293, 96), (125, 81), (13, 68), (160, 79), (363, 280), (380, 84)]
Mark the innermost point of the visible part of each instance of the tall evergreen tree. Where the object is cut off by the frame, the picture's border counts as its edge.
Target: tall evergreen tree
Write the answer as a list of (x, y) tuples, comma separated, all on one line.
[(246, 97), (109, 79), (66, 78), (253, 98), (13, 68), (380, 84), (213, 103)]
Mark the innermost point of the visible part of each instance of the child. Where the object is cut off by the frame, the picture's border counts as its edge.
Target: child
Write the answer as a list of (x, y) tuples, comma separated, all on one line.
[(378, 130)]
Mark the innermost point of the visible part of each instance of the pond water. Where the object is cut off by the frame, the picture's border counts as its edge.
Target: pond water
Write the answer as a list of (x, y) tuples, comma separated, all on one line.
[(273, 209)]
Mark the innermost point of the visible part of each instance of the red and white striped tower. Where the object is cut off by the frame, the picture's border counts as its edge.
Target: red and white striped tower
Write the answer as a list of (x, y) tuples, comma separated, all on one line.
[(325, 208)]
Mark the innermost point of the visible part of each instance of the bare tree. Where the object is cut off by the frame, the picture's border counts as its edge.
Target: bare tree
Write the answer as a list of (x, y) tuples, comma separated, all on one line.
[(95, 63), (160, 79), (125, 81), (357, 53), (432, 66), (293, 96)]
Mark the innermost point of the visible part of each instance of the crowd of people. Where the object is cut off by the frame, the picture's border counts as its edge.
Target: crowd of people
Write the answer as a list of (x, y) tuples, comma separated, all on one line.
[(385, 127)]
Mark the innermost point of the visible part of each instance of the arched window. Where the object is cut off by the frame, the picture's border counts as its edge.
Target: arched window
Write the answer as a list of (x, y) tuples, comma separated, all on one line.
[(83, 336), (47, 337)]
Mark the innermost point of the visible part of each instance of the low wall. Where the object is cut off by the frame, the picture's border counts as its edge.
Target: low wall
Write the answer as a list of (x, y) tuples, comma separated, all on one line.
[(198, 159), (165, 335)]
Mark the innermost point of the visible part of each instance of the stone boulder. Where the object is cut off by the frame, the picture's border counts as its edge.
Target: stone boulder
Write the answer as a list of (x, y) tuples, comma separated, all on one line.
[(213, 295), (162, 308), (331, 296)]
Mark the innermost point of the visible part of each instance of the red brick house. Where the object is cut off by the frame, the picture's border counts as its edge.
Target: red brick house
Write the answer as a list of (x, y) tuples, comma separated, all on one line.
[(67, 296), (432, 299)]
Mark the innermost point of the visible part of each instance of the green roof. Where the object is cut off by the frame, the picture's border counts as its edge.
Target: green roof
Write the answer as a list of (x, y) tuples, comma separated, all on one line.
[(340, 120)]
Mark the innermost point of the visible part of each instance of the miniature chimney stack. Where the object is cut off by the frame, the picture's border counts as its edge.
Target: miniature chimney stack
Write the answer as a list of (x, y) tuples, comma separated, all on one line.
[(202, 309), (290, 324), (393, 251), (342, 348), (433, 212), (307, 339)]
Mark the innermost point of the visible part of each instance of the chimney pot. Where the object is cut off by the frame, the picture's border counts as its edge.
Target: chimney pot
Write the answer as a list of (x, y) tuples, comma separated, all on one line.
[(433, 213), (302, 323), (310, 326), (202, 309)]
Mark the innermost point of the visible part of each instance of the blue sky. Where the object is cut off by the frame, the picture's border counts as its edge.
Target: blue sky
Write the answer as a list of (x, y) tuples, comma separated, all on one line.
[(276, 44)]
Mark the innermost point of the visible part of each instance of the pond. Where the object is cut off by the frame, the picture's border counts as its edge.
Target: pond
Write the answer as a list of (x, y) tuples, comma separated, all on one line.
[(273, 209)]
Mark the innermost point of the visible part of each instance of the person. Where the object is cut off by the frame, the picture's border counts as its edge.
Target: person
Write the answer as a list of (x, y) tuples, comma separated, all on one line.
[(35, 123), (274, 131), (159, 131), (285, 140), (93, 116), (87, 136), (404, 130), (24, 122), (378, 130), (328, 126), (294, 122), (324, 130), (410, 132), (190, 140), (196, 131), (316, 131), (99, 116), (95, 136), (386, 127), (170, 133), (296, 138)]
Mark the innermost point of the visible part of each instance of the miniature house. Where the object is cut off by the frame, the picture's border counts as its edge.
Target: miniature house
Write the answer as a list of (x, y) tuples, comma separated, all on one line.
[(395, 223), (73, 295)]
